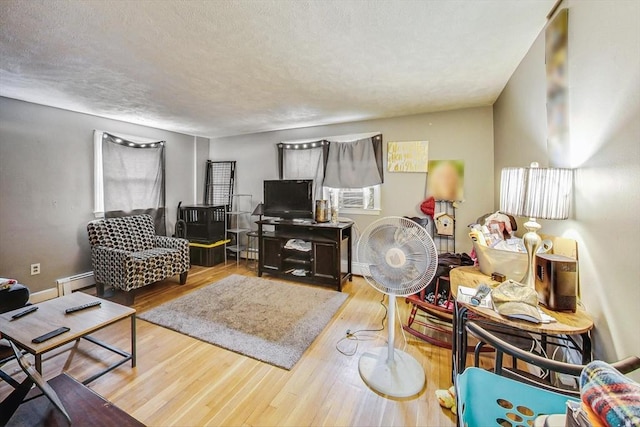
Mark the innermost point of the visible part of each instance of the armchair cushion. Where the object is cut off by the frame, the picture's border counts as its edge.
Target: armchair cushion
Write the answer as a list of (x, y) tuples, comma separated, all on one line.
[(171, 242), (131, 233)]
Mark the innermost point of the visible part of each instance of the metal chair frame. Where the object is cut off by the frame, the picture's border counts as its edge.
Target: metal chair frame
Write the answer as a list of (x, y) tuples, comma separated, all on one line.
[(503, 348)]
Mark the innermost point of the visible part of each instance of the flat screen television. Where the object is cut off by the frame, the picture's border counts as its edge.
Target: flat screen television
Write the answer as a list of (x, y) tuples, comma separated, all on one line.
[(289, 198)]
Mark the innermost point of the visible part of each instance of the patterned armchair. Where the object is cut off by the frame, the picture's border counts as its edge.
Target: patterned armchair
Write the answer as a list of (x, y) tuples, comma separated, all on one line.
[(127, 254)]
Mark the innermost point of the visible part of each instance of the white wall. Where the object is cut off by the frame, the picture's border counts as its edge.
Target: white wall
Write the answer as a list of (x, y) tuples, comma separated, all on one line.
[(461, 134), (46, 186), (604, 90), (201, 154)]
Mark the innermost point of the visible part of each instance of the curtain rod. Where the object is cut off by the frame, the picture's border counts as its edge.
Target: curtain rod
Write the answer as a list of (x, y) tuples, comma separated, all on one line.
[(338, 138)]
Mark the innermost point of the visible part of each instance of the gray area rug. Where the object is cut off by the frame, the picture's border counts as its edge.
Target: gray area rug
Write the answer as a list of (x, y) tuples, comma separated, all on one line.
[(270, 321)]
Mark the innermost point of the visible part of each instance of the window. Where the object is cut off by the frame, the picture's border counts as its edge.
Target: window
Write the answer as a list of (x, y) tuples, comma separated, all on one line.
[(129, 177), (364, 200), (346, 168)]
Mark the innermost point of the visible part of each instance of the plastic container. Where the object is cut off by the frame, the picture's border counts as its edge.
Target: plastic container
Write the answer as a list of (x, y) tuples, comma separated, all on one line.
[(486, 399), (512, 264), (206, 257)]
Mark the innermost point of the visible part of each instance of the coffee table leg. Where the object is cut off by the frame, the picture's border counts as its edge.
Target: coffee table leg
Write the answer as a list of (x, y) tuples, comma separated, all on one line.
[(39, 363), (133, 340)]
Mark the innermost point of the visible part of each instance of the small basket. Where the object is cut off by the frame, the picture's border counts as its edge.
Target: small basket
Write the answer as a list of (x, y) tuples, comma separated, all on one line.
[(486, 399)]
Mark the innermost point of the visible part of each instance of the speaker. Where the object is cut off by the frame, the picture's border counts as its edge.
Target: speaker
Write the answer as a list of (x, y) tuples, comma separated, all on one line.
[(557, 281)]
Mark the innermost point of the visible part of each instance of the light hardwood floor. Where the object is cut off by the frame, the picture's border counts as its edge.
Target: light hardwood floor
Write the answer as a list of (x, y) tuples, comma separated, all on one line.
[(180, 381)]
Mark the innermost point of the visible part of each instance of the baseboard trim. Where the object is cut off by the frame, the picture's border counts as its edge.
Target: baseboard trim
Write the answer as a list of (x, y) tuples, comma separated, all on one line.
[(356, 268), (44, 295), (69, 284)]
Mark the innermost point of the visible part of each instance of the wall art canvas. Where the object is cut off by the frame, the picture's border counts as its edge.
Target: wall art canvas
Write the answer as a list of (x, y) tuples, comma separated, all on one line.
[(556, 59), (408, 156), (445, 180)]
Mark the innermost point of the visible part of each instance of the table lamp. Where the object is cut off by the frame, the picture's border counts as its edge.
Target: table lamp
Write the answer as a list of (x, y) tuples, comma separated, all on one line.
[(535, 192), (258, 211)]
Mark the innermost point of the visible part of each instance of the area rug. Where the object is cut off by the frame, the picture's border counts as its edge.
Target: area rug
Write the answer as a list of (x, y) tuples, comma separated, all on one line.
[(270, 321)]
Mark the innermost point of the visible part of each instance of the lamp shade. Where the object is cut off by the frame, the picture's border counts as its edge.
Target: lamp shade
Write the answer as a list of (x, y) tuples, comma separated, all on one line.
[(259, 210), (512, 191), (536, 192)]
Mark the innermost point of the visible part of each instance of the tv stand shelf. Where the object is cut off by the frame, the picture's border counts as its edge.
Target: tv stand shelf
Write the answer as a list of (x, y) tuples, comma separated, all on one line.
[(302, 235), (322, 264), (297, 261)]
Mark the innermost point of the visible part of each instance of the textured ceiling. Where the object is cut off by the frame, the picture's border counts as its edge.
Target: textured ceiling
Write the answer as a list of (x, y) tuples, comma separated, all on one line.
[(217, 68)]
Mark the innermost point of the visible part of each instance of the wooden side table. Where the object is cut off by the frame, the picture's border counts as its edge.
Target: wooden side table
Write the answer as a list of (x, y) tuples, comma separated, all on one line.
[(567, 325)]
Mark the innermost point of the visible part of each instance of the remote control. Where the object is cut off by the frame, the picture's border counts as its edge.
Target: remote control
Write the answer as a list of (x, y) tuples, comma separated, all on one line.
[(49, 335), (82, 307), (24, 312)]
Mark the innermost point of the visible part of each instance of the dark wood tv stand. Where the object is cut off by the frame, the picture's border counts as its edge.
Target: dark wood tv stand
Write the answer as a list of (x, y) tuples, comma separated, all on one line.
[(322, 262)]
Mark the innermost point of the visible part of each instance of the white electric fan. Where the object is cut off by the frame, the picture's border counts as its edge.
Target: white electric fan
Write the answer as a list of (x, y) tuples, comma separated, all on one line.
[(398, 258)]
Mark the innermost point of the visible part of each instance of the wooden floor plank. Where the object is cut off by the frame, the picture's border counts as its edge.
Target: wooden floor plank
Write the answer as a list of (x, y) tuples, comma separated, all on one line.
[(181, 381)]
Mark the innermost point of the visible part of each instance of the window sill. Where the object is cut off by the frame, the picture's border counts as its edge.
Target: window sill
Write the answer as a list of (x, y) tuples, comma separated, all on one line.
[(351, 211)]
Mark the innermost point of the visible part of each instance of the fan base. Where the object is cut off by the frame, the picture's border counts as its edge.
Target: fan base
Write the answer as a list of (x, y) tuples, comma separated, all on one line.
[(404, 377)]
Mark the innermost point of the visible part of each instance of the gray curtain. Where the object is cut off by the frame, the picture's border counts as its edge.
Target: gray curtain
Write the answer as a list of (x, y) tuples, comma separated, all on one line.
[(355, 164), (134, 179), (304, 161)]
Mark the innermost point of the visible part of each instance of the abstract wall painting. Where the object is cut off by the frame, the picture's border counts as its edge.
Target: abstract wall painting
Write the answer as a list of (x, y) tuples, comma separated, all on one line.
[(445, 180)]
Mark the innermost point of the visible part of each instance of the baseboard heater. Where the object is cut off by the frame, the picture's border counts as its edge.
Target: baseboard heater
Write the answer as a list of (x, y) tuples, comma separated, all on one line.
[(66, 285), (357, 268)]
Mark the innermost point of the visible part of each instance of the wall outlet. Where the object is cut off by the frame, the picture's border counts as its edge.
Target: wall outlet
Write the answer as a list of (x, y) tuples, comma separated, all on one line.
[(35, 269)]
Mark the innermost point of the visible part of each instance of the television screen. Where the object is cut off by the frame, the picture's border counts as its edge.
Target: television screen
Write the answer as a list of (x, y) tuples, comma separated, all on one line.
[(288, 199)]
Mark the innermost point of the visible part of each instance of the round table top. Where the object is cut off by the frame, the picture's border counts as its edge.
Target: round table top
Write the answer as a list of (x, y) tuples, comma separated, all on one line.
[(567, 322)]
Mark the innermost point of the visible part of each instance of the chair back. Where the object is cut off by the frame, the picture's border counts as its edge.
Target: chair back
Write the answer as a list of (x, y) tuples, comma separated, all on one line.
[(130, 233), (10, 404)]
